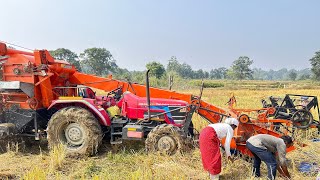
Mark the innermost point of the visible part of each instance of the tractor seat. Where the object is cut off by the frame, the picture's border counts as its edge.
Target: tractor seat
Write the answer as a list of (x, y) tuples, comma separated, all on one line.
[(88, 93)]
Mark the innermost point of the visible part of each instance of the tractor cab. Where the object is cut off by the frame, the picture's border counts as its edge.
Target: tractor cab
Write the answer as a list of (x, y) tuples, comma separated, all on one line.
[(87, 93), (105, 101)]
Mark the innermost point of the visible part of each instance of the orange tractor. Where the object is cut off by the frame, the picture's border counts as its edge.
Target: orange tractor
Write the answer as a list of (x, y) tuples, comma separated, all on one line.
[(47, 98)]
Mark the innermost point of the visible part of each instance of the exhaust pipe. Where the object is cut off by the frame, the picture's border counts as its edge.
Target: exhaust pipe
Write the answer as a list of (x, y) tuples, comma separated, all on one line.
[(148, 93)]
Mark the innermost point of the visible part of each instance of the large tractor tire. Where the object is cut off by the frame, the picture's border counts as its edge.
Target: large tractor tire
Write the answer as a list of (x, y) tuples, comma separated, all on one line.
[(76, 129), (165, 138)]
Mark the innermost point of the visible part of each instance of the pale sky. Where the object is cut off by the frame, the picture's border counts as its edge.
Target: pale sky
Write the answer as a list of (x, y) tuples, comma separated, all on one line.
[(205, 34)]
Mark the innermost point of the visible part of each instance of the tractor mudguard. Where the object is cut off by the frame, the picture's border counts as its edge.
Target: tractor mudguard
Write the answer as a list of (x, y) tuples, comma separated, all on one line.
[(98, 111)]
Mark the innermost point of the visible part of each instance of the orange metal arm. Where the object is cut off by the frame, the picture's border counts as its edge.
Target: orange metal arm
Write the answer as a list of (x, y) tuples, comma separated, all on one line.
[(13, 51), (7, 51), (109, 84)]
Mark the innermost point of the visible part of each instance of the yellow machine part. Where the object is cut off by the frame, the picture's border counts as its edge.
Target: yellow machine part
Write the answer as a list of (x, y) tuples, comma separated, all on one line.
[(113, 111)]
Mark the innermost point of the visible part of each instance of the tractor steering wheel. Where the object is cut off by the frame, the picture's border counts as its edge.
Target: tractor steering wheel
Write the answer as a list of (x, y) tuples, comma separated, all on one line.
[(112, 92), (116, 93)]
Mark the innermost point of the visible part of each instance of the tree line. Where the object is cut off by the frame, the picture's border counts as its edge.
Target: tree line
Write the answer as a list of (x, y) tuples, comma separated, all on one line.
[(99, 61)]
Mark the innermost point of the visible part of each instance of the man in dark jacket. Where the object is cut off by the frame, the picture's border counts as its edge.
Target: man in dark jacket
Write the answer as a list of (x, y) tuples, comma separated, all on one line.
[(264, 147)]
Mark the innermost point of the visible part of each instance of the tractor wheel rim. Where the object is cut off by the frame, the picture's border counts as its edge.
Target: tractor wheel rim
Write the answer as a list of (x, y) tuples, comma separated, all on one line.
[(167, 144), (74, 134), (302, 117)]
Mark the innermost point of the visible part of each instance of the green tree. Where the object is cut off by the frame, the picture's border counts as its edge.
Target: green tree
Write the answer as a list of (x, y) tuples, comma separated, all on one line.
[(292, 75), (67, 55), (240, 69), (186, 71), (206, 74), (122, 74), (199, 74), (156, 69), (98, 61), (259, 74), (315, 65), (138, 77), (218, 73), (173, 65), (304, 77)]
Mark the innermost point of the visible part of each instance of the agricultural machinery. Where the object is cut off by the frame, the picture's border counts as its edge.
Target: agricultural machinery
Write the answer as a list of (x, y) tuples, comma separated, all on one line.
[(283, 115), (47, 98), (296, 108)]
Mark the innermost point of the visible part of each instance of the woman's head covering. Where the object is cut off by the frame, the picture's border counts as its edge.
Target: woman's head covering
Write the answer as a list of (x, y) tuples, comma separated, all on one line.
[(232, 121)]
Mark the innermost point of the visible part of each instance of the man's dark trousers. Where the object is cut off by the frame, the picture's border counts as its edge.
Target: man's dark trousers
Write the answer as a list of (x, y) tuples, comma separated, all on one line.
[(266, 156)]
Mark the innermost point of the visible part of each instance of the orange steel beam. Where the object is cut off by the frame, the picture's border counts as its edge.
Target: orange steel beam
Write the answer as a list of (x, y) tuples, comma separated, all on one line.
[(109, 84), (14, 51), (7, 51)]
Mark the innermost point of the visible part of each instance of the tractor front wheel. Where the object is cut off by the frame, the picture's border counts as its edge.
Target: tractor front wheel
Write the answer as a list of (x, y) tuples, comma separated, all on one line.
[(165, 138), (76, 129)]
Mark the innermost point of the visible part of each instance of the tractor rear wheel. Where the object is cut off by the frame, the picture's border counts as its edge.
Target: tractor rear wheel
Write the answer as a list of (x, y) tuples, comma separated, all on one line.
[(165, 138), (76, 129)]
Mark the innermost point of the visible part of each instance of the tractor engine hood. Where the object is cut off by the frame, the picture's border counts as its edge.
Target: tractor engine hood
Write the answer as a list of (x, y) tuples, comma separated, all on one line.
[(141, 102)]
